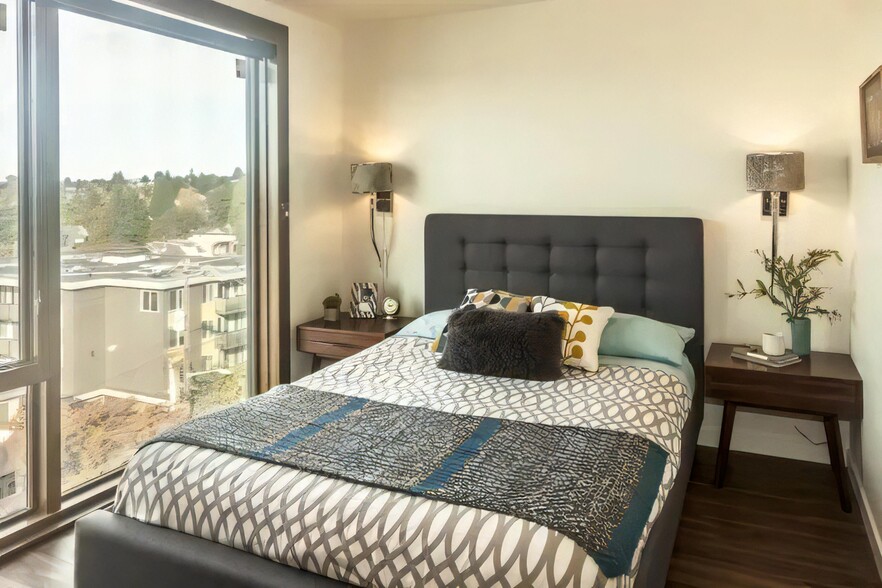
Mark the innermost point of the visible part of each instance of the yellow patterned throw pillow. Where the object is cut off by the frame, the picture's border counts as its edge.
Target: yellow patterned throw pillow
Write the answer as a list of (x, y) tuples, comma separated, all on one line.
[(585, 324), (492, 299), (496, 299)]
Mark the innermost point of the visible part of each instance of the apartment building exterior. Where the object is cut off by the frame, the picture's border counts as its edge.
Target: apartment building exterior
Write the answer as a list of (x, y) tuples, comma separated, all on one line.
[(137, 325)]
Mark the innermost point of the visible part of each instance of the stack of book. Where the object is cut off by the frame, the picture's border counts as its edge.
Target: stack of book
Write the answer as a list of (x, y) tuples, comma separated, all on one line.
[(756, 355)]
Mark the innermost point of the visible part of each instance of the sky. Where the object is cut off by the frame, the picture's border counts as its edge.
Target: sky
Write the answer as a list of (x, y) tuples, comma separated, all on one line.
[(135, 102), (8, 125)]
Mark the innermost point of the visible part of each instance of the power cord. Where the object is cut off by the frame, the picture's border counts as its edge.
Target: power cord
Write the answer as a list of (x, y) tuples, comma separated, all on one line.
[(807, 438)]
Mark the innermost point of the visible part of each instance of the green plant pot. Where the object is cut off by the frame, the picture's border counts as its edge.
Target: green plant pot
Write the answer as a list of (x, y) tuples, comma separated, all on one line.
[(801, 330)]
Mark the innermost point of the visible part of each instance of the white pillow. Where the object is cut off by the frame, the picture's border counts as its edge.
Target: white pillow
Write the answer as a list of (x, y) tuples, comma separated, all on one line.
[(581, 337)]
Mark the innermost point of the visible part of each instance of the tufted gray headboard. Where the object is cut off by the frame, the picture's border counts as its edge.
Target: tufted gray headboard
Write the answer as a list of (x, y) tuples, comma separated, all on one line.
[(640, 265)]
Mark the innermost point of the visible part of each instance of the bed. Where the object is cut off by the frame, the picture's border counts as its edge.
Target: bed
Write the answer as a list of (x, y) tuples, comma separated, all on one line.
[(223, 508)]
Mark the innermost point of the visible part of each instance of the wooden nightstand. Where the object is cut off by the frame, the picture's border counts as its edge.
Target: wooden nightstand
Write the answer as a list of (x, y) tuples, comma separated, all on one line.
[(336, 340), (824, 384)]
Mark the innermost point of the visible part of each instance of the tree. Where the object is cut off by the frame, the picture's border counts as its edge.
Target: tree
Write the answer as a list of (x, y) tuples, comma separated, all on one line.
[(8, 231), (9, 218), (129, 220), (165, 192), (111, 214), (210, 390), (177, 222), (101, 435), (217, 204), (80, 208), (238, 215), (205, 183)]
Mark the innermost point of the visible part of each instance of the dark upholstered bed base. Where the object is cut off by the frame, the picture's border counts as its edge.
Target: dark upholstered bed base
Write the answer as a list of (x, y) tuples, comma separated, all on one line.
[(113, 551), (648, 266)]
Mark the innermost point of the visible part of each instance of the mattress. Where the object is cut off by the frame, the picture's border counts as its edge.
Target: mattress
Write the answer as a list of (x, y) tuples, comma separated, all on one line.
[(374, 537)]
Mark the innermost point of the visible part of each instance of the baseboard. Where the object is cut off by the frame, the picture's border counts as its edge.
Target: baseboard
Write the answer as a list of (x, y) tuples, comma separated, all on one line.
[(870, 525)]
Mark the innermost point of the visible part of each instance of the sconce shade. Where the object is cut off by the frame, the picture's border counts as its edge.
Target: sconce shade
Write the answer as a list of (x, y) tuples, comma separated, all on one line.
[(370, 178), (776, 172)]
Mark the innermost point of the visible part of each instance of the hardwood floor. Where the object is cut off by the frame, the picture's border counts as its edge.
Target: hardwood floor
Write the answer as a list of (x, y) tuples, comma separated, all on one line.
[(48, 564), (776, 523)]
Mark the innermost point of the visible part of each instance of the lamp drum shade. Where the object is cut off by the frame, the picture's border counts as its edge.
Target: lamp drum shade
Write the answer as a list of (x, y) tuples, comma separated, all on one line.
[(370, 178), (776, 172)]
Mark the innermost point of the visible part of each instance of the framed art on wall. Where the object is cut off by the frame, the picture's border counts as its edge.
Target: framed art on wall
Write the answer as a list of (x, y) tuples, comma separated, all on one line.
[(871, 118)]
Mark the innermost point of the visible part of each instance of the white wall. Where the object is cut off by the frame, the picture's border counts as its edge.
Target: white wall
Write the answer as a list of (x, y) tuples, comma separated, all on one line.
[(317, 185), (866, 326), (634, 107)]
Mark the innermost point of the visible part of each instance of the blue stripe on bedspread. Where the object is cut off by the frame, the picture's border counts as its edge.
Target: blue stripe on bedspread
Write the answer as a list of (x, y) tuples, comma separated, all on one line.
[(299, 434), (466, 450)]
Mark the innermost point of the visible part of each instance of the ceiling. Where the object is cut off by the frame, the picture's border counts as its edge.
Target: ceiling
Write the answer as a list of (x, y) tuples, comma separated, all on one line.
[(346, 10)]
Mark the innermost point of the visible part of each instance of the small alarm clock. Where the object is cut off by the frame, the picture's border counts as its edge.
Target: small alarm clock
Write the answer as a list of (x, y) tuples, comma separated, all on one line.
[(390, 306)]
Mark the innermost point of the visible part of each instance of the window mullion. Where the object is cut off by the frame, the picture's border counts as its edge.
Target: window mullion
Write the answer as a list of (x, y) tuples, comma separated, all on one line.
[(46, 193)]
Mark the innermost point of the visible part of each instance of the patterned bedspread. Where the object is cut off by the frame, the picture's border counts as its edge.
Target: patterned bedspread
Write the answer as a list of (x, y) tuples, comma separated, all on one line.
[(372, 536)]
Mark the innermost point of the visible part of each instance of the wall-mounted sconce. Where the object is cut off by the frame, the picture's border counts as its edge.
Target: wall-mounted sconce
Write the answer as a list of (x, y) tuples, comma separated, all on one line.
[(775, 175), (374, 178)]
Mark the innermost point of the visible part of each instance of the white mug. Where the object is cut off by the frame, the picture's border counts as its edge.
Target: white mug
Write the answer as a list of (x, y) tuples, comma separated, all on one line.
[(773, 343)]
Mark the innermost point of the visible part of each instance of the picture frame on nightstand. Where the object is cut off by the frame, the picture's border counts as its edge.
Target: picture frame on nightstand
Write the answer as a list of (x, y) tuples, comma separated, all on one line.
[(364, 302)]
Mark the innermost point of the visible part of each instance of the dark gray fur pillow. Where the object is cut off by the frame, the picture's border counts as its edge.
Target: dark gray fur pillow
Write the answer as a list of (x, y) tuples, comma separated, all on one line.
[(523, 345)]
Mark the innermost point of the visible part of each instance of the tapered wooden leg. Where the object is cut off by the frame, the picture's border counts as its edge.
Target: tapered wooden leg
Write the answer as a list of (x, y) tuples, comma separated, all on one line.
[(316, 363), (834, 445), (729, 409)]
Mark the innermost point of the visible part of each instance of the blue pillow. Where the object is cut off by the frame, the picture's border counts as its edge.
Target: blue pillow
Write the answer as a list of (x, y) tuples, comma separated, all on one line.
[(427, 326), (686, 333), (628, 335)]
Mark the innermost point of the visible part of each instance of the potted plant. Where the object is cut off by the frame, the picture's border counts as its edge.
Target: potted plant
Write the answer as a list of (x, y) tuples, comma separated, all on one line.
[(790, 289), (331, 305)]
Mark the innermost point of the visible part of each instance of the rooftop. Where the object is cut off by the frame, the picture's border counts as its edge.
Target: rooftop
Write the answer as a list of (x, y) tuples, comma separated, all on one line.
[(155, 266)]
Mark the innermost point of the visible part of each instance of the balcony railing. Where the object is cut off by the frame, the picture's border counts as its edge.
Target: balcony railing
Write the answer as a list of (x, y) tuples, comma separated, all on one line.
[(234, 305), (174, 338), (231, 340), (9, 313)]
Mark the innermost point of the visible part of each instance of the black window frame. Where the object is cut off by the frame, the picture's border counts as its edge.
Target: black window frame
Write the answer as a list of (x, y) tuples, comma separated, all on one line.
[(265, 43)]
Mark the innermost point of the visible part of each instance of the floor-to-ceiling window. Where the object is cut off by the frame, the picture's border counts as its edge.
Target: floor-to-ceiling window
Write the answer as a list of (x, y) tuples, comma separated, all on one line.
[(141, 217), (14, 352), (153, 156)]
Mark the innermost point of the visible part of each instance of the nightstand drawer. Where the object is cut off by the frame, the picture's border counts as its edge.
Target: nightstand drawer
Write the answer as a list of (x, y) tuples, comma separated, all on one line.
[(332, 350), (361, 340), (345, 337), (805, 395)]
